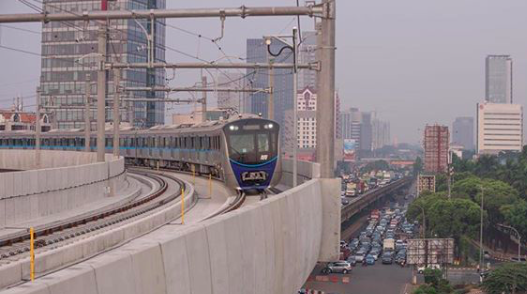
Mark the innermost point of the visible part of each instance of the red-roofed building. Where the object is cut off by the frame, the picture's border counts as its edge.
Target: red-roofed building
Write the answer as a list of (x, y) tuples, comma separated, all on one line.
[(14, 120)]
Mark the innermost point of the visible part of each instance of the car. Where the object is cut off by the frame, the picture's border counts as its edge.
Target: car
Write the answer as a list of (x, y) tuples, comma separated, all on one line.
[(352, 260), (400, 258), (337, 267), (369, 260), (344, 201), (359, 257), (387, 257), (375, 253)]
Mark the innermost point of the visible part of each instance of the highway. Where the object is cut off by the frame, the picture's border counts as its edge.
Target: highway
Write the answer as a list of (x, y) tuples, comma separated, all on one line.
[(365, 200)]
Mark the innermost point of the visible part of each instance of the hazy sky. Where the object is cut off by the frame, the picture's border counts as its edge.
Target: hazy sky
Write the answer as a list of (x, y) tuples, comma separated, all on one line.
[(412, 61)]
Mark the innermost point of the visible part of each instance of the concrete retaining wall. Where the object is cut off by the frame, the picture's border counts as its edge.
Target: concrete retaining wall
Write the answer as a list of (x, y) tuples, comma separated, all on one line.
[(306, 171), (17, 159), (267, 247), (67, 180)]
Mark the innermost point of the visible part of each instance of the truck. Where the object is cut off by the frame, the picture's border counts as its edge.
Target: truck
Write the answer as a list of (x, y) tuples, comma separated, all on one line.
[(388, 245), (351, 190), (375, 214)]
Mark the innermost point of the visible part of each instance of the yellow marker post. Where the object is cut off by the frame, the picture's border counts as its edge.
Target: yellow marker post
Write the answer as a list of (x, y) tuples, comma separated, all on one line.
[(32, 253), (210, 185), (182, 205)]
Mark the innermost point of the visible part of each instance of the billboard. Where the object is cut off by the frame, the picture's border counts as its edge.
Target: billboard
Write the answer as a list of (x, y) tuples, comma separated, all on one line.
[(430, 251), (350, 146)]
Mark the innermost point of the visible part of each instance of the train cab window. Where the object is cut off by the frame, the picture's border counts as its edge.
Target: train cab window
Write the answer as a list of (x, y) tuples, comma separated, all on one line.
[(252, 141)]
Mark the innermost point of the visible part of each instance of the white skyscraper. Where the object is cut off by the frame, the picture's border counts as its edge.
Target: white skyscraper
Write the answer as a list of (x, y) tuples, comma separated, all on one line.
[(500, 127)]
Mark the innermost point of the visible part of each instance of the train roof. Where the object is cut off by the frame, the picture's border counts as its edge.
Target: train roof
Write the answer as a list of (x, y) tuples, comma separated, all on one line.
[(159, 129)]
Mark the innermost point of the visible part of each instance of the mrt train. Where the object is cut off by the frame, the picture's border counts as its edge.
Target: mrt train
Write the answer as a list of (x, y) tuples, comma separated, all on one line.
[(243, 152)]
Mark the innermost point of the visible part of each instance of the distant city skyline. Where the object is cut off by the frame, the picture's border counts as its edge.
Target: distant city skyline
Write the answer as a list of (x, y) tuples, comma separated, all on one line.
[(409, 74), (463, 132)]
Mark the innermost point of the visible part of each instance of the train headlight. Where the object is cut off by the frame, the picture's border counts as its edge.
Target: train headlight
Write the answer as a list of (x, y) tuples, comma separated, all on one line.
[(269, 126), (233, 128)]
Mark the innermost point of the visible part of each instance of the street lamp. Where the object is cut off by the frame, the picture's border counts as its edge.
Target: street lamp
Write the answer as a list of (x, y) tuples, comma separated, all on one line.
[(424, 219), (519, 238), (481, 230), (294, 48)]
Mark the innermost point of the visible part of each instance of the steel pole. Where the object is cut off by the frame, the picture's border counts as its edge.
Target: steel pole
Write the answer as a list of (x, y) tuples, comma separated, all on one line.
[(481, 232), (271, 86), (116, 114), (211, 65), (101, 95), (204, 101), (326, 90), (87, 123), (38, 130), (194, 89), (295, 110), (242, 12)]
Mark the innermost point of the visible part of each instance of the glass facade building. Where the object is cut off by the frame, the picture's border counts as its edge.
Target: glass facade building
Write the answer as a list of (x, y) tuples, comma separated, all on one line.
[(283, 80), (70, 59), (498, 79)]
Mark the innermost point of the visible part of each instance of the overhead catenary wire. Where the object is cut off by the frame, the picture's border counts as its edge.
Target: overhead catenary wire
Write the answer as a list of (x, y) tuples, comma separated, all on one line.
[(20, 29)]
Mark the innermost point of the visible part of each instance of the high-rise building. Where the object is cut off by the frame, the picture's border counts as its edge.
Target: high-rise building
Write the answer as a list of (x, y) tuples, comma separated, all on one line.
[(307, 118), (463, 132), (498, 79), (436, 144), (70, 55), (306, 127), (500, 128), (258, 103), (366, 133), (230, 100), (380, 134), (350, 124), (307, 55)]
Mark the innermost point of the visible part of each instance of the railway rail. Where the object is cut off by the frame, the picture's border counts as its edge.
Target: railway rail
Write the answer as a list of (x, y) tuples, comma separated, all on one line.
[(15, 245), (235, 204)]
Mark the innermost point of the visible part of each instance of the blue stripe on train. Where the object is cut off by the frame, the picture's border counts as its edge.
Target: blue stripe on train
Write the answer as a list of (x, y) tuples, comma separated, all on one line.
[(108, 148), (268, 167)]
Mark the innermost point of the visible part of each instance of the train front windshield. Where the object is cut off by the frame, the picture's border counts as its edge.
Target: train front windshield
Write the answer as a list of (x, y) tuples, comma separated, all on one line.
[(252, 141)]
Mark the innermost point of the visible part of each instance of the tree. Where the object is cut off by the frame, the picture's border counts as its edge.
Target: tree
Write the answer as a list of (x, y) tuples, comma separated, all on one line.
[(425, 289), (446, 218), (516, 216), (434, 283), (441, 182), (462, 165), (508, 278), (467, 188), (376, 165), (486, 166), (418, 165), (496, 195)]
